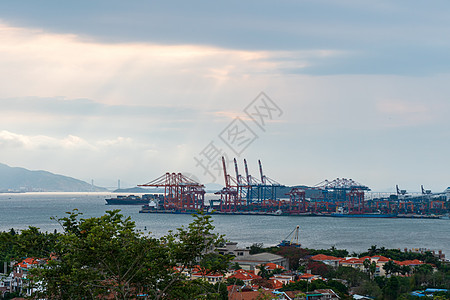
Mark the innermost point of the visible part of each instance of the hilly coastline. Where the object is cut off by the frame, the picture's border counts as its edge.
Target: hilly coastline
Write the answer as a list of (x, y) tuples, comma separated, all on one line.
[(14, 179)]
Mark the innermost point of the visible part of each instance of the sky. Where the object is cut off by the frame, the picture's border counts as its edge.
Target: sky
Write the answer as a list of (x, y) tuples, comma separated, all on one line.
[(316, 90)]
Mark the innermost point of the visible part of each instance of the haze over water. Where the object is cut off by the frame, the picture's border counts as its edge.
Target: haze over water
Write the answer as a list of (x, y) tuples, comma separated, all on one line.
[(35, 209)]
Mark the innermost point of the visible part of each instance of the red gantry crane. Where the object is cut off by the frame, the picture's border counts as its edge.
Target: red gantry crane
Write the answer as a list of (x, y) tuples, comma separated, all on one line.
[(180, 192)]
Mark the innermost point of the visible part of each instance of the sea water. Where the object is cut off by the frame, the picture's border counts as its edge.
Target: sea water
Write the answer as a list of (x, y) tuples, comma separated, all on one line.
[(19, 211)]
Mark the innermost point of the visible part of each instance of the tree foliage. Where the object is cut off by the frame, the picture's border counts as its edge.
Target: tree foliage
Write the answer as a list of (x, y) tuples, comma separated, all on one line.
[(293, 254), (354, 277), (107, 256), (319, 268), (305, 286), (333, 251), (26, 243), (399, 255)]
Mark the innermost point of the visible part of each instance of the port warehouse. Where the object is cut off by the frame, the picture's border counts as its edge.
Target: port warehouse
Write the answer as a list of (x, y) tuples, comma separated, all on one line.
[(246, 194)]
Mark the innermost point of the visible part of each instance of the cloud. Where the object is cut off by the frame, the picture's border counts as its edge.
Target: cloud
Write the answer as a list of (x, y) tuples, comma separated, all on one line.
[(42, 142), (114, 95), (383, 37), (407, 113), (401, 107), (10, 140), (64, 107), (36, 66)]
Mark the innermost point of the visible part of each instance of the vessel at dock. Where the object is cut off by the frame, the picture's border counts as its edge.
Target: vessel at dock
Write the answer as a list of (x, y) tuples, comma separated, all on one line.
[(129, 200), (248, 195), (343, 213), (368, 215)]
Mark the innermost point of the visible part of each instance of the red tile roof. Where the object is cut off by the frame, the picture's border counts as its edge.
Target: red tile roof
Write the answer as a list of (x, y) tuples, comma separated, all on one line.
[(28, 262), (353, 260), (277, 284), (307, 275), (251, 295), (381, 258), (201, 274), (322, 257), (272, 266), (414, 262), (244, 275)]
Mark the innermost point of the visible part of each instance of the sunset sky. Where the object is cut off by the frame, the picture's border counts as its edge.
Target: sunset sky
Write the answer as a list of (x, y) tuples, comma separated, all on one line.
[(129, 90)]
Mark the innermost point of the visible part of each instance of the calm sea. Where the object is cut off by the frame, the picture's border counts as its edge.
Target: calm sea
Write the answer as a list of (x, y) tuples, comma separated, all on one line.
[(35, 209)]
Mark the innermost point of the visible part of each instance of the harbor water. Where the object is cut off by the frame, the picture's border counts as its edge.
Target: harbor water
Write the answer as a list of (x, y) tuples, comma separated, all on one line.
[(19, 211)]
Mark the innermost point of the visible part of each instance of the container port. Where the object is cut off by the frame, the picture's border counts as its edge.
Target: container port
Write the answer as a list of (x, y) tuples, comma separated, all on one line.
[(244, 194)]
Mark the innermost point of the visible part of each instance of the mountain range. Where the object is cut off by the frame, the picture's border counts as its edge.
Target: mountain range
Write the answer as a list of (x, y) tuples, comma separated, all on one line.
[(14, 179)]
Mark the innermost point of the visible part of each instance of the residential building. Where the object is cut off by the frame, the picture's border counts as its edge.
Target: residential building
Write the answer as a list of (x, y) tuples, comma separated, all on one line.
[(231, 248), (250, 262), (326, 259)]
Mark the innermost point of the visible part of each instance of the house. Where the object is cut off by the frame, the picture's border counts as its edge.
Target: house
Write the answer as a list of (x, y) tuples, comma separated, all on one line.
[(210, 277), (6, 284), (322, 294), (380, 261), (251, 295), (411, 263), (326, 259), (428, 292), (309, 277), (17, 280), (245, 276), (276, 284), (250, 262), (273, 267), (232, 249), (283, 278), (360, 297), (357, 263)]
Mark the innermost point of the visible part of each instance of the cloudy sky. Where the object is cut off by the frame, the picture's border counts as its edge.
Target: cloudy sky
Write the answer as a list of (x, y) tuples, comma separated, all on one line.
[(129, 90)]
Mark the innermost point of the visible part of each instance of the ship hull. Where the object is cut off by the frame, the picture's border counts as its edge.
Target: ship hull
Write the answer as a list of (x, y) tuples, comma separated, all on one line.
[(125, 202), (338, 215)]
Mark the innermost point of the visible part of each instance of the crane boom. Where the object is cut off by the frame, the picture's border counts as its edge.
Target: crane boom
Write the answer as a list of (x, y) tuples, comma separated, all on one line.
[(246, 172), (225, 172), (263, 179), (237, 172)]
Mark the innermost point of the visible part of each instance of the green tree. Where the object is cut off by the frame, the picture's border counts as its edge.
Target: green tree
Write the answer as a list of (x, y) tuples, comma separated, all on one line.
[(404, 270), (107, 256), (369, 288), (33, 243), (263, 272), (372, 269), (372, 250), (257, 248), (390, 267), (213, 263), (236, 266), (366, 265), (27, 243), (293, 254), (353, 276), (319, 268), (235, 281), (391, 289), (7, 243)]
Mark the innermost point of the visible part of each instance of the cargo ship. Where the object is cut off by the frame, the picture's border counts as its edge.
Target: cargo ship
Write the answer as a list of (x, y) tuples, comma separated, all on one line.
[(368, 215), (128, 200), (343, 213)]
